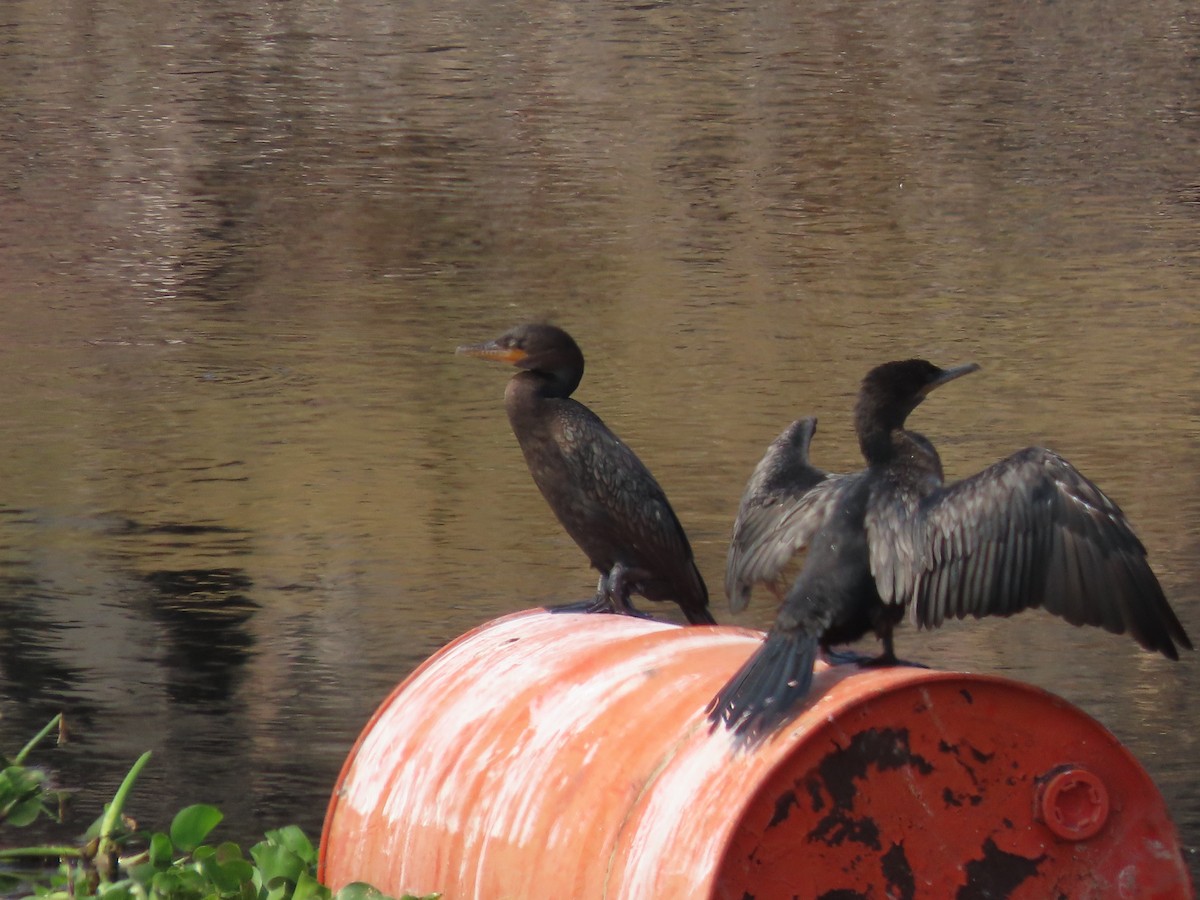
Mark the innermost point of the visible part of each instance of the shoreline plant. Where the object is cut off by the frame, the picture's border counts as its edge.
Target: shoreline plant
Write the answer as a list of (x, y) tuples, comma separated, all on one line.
[(119, 861)]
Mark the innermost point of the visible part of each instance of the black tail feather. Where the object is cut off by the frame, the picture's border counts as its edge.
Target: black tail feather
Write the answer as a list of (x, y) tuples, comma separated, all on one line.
[(764, 692)]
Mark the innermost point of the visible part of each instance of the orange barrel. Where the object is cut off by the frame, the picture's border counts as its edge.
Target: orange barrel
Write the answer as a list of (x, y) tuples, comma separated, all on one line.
[(568, 756)]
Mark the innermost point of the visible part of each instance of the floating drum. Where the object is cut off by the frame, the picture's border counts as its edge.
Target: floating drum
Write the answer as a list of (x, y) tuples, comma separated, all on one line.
[(568, 756)]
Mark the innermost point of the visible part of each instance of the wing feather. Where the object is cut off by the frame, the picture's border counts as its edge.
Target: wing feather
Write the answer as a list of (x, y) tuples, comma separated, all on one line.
[(782, 507), (766, 537), (1030, 531), (896, 558)]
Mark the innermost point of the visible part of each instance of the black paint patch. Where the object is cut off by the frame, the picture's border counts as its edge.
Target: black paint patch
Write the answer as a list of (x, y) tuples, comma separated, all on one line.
[(783, 806), (901, 885), (966, 695), (835, 829), (980, 756), (814, 791), (839, 773), (997, 874), (843, 894)]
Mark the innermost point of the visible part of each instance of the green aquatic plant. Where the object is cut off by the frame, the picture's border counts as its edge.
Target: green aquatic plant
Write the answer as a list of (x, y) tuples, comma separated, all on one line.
[(118, 861), (23, 790)]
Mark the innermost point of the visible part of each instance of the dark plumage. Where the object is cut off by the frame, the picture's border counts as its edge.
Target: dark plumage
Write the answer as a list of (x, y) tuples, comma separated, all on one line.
[(1028, 531), (775, 492), (603, 495)]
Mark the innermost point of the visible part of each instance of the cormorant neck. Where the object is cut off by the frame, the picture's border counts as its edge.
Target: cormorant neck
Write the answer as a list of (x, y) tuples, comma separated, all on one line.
[(877, 445), (542, 384), (880, 427), (905, 450)]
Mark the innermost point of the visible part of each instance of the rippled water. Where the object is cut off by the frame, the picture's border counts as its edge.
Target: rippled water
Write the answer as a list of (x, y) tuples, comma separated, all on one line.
[(245, 485)]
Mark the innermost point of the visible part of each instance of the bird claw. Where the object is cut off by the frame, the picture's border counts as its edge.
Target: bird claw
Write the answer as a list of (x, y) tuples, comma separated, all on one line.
[(846, 657), (882, 661), (863, 661), (596, 604), (603, 605)]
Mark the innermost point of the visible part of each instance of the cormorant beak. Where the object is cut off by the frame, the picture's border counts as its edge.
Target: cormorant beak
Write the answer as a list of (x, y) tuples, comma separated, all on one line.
[(949, 375), (494, 350)]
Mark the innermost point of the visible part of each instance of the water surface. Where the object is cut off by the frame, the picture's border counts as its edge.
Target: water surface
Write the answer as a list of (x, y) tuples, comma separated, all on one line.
[(247, 486)]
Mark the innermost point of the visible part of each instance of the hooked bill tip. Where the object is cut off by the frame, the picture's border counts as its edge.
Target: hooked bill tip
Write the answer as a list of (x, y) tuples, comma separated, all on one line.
[(964, 369), (952, 373)]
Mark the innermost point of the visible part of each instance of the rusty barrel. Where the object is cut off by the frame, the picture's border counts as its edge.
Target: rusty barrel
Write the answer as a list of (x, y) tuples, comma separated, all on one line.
[(568, 756)]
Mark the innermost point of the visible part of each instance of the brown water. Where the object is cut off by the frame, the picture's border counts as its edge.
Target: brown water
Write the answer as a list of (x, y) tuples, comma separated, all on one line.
[(245, 485)]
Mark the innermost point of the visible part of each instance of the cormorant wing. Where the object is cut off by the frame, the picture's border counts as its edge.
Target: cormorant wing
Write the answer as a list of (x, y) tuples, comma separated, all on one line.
[(1032, 531), (625, 498), (766, 535), (613, 478)]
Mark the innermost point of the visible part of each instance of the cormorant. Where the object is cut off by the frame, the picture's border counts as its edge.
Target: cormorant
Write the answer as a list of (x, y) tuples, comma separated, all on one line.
[(603, 495), (1028, 531)]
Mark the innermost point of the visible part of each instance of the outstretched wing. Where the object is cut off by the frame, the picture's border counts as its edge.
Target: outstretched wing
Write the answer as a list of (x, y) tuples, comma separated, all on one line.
[(1032, 531), (767, 535)]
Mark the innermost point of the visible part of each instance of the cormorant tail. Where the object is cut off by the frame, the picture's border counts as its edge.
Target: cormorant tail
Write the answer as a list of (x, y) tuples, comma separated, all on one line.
[(762, 694)]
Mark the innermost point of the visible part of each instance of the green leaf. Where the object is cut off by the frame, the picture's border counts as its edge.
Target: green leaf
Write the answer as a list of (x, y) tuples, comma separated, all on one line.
[(24, 812), (228, 877), (239, 871), (308, 888), (276, 861), (359, 890), (294, 838), (203, 852), (179, 883), (21, 792), (142, 872), (116, 890), (161, 850), (193, 824)]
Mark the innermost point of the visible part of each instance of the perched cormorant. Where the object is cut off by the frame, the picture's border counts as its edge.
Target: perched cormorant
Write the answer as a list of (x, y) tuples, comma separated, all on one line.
[(1028, 531), (603, 495)]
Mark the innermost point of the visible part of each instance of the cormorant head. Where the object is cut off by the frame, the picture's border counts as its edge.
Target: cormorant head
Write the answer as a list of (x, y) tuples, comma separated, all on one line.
[(540, 348), (893, 390)]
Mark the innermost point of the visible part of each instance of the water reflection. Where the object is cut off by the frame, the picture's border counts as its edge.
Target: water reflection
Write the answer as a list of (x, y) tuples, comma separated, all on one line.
[(247, 486), (34, 676), (204, 614)]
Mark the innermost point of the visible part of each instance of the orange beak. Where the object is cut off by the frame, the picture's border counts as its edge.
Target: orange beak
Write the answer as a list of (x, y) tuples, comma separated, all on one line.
[(492, 350)]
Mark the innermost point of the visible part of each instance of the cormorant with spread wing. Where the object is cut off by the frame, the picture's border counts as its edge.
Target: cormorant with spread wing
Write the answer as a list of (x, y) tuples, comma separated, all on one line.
[(603, 495), (1028, 531)]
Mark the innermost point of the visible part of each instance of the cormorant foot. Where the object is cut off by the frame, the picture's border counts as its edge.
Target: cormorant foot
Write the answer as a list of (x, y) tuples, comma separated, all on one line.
[(598, 607), (876, 662), (597, 604), (847, 657), (617, 586)]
